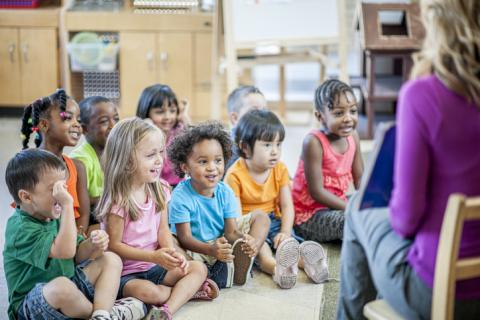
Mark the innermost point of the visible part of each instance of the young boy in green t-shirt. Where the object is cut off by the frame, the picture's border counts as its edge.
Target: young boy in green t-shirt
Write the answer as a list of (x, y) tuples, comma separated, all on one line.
[(42, 248)]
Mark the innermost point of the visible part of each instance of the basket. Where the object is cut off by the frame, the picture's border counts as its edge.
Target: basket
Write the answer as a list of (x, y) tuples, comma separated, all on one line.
[(19, 4)]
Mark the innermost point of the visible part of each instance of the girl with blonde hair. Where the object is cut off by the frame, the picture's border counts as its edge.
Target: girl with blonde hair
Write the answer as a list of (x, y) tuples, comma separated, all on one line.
[(391, 251), (133, 210)]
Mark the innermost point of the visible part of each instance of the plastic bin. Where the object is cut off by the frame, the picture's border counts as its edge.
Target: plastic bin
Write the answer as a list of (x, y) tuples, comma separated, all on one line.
[(93, 56)]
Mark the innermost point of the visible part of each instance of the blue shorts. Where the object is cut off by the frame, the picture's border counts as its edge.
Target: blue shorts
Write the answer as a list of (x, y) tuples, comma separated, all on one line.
[(35, 306), (275, 227), (156, 274)]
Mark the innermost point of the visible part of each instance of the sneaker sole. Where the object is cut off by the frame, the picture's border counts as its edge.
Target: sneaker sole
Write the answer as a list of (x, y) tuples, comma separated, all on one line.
[(313, 256), (155, 314), (242, 264), (287, 256)]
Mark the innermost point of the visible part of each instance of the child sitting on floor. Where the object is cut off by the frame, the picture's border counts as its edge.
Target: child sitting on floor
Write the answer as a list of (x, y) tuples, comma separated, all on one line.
[(98, 115), (55, 122), (204, 211), (133, 209), (51, 272), (331, 160), (260, 182)]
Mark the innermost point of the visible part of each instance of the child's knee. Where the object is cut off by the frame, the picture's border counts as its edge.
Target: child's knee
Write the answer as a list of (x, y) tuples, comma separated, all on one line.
[(156, 295), (198, 268), (111, 261), (259, 217), (60, 291)]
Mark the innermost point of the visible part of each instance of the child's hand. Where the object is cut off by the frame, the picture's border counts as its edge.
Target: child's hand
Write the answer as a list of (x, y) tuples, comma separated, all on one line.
[(248, 246), (183, 111), (183, 265), (165, 257), (279, 238), (99, 239), (61, 195), (223, 250)]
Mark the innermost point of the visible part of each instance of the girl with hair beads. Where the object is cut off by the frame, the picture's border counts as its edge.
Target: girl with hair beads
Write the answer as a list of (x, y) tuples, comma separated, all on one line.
[(204, 211), (98, 115), (133, 209), (55, 122), (260, 182), (331, 160), (391, 252), (159, 104)]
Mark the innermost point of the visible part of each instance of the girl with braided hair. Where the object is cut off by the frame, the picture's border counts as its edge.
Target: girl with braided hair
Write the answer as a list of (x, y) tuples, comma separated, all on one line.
[(54, 122), (331, 160)]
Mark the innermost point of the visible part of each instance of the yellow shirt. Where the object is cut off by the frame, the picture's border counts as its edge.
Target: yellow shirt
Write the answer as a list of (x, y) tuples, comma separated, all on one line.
[(253, 195)]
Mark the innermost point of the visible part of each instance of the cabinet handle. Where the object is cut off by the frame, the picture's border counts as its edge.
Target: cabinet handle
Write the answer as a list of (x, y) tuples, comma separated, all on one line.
[(11, 52), (25, 52), (150, 60), (164, 59)]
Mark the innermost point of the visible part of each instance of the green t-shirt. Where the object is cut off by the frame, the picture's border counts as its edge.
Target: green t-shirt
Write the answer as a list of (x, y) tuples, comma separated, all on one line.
[(25, 256), (89, 158)]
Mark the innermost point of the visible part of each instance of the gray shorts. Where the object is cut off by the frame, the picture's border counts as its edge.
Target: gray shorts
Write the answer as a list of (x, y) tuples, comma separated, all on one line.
[(35, 306)]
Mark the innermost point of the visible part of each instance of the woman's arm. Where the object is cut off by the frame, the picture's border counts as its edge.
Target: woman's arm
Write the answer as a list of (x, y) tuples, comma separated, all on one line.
[(357, 166), (312, 156)]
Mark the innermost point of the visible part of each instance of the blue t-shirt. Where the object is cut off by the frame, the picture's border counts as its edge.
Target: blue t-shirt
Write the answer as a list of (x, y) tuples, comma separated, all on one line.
[(205, 215)]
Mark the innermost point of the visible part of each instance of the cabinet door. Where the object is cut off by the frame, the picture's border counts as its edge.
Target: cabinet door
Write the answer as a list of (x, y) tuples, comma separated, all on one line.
[(10, 92), (201, 108), (39, 62), (175, 67), (137, 68)]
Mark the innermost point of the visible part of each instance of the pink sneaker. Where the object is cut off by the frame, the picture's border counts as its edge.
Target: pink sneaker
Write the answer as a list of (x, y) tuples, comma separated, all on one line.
[(315, 261), (208, 291), (286, 269)]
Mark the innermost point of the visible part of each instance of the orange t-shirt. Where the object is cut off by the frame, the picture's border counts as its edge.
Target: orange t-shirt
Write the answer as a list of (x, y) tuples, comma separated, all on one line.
[(72, 184), (253, 195)]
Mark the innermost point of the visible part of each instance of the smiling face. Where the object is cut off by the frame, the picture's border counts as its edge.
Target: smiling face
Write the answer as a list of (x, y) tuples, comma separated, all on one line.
[(205, 165), (149, 155), (62, 128), (164, 117), (342, 119), (103, 118), (40, 201)]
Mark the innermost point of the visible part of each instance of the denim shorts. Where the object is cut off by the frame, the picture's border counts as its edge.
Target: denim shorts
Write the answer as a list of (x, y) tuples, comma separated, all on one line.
[(275, 227), (155, 274), (34, 306)]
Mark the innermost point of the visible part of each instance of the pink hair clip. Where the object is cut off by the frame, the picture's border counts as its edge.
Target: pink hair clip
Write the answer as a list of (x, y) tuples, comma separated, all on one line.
[(63, 114), (34, 129)]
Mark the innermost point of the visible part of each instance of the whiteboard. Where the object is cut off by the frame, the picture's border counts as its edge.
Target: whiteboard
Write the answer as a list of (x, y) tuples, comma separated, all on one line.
[(278, 21)]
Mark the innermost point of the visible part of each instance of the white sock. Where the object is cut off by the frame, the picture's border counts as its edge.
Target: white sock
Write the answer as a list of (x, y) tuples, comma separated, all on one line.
[(103, 313)]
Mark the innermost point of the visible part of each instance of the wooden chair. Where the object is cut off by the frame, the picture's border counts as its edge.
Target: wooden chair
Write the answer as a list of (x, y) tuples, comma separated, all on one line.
[(449, 268)]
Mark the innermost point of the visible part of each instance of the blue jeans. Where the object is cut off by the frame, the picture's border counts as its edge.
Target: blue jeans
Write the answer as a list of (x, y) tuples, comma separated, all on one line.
[(374, 264), (35, 306), (275, 227)]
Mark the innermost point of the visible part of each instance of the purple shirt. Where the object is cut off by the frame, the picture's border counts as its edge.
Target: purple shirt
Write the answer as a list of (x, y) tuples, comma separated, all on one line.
[(437, 154)]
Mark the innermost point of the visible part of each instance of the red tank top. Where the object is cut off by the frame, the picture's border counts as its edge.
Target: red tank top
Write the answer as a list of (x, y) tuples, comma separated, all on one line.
[(337, 176)]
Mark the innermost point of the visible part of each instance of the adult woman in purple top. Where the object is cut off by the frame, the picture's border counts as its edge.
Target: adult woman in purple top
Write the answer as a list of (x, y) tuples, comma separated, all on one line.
[(391, 251)]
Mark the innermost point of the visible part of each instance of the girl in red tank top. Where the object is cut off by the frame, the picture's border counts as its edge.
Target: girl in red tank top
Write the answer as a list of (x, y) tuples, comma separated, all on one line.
[(330, 161)]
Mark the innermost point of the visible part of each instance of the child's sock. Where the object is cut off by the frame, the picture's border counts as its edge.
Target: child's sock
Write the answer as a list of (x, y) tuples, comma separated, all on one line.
[(129, 309), (100, 315)]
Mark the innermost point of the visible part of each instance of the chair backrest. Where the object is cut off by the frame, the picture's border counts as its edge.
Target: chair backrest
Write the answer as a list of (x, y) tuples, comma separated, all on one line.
[(449, 268)]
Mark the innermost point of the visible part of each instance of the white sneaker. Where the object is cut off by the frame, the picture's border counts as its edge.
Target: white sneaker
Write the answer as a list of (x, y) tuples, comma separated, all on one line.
[(315, 261), (286, 268), (128, 309)]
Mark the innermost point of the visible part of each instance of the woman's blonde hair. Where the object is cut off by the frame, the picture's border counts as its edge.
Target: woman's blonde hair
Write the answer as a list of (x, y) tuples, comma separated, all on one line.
[(119, 165), (451, 48)]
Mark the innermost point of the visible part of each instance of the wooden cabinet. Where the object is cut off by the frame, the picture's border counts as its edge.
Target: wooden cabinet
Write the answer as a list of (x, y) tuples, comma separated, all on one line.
[(28, 64), (149, 58)]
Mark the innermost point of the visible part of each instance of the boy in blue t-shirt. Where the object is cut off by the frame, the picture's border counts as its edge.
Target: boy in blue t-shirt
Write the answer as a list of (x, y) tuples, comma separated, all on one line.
[(42, 248), (204, 211)]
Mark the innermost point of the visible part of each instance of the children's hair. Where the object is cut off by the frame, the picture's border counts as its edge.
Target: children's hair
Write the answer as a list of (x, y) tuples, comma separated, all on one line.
[(37, 110), (181, 147), (235, 99), (451, 48), (86, 107), (257, 125), (154, 97), (328, 93), (26, 168), (119, 165)]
